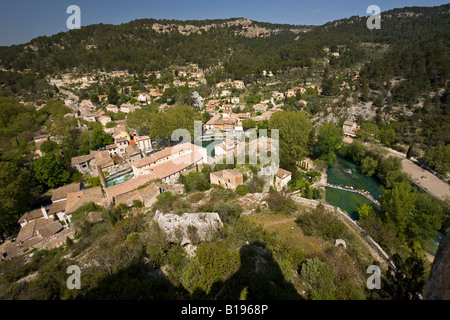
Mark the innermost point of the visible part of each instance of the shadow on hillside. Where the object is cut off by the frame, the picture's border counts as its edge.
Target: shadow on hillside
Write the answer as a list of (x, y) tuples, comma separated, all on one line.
[(258, 278), (135, 283)]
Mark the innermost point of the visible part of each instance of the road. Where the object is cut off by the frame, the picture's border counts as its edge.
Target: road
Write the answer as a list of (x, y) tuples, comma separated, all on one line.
[(422, 178)]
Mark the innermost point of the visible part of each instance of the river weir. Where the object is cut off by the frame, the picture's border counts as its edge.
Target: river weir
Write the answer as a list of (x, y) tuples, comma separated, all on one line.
[(348, 188), (361, 192)]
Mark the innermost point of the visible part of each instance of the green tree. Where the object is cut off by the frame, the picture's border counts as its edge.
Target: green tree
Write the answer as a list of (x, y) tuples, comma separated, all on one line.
[(196, 181), (100, 139), (213, 263), (406, 281), (426, 218), (140, 120), (329, 139), (389, 171), (227, 210), (248, 124), (113, 96), (369, 166), (410, 152), (387, 136), (242, 190), (320, 279), (49, 172), (367, 131), (294, 128), (48, 146), (438, 158), (17, 193), (397, 204), (357, 151), (365, 211), (84, 142), (55, 108)]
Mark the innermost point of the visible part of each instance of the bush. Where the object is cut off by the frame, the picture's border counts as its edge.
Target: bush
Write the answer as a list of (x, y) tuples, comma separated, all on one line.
[(137, 203), (82, 211), (165, 201), (280, 202), (94, 181), (196, 181), (242, 190), (214, 262), (116, 214), (157, 244), (255, 185), (176, 257), (320, 278), (227, 210), (322, 223)]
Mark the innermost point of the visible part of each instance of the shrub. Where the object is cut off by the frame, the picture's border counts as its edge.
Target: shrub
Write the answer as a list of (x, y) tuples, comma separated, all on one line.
[(157, 244), (280, 202), (214, 262), (255, 185), (82, 211), (227, 210), (242, 190), (322, 223), (165, 201), (137, 203), (196, 181), (320, 278)]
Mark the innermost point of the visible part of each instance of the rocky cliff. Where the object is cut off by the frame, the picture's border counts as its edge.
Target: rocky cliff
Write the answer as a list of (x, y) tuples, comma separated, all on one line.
[(438, 285)]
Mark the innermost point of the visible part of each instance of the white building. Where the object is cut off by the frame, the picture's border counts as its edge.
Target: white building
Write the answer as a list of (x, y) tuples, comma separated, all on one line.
[(104, 120), (282, 177), (235, 100), (112, 108), (144, 144), (127, 108)]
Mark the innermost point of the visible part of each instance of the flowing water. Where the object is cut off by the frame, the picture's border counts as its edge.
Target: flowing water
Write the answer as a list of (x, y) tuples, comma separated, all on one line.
[(347, 174)]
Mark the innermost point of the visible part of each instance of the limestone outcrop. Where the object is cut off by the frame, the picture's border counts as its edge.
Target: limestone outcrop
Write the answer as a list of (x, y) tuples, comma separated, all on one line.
[(438, 285), (189, 227)]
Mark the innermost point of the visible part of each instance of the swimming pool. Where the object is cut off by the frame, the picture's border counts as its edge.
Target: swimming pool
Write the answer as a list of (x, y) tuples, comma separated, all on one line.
[(120, 179)]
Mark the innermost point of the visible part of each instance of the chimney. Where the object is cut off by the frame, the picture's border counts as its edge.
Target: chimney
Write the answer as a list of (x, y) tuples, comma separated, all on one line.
[(44, 212)]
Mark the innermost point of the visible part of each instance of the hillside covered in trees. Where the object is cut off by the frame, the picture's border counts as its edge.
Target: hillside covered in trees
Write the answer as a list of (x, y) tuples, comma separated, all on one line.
[(135, 46)]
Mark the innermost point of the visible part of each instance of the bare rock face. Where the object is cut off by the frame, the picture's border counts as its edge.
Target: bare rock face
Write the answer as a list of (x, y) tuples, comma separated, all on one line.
[(438, 285), (189, 227)]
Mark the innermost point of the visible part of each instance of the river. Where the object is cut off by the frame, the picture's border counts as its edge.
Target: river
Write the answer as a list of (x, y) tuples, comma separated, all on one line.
[(347, 174)]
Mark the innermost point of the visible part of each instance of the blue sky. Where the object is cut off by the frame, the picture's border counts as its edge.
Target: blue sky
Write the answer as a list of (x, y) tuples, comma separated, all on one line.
[(23, 20)]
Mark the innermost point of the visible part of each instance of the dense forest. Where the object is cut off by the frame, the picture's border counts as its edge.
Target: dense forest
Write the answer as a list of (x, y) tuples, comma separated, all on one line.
[(136, 47)]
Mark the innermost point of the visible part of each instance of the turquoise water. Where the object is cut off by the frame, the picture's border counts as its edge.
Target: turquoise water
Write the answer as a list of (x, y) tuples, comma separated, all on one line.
[(120, 179), (347, 201), (209, 145), (346, 173)]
